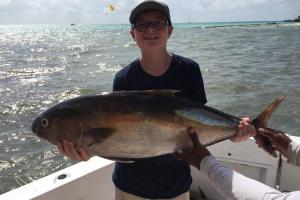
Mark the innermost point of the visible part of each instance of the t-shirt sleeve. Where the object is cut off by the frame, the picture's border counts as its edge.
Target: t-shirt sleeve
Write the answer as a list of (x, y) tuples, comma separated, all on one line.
[(198, 86), (118, 83)]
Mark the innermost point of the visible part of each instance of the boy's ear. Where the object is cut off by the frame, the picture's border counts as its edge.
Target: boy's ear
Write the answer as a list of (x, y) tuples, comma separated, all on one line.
[(132, 34), (170, 30)]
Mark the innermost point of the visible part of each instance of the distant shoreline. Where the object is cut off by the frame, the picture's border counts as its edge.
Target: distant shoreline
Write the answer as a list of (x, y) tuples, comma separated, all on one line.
[(237, 24), (259, 24), (293, 20), (194, 25), (178, 23)]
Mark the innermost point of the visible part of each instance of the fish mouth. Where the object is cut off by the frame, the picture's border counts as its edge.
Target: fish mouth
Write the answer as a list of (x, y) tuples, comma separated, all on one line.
[(35, 125)]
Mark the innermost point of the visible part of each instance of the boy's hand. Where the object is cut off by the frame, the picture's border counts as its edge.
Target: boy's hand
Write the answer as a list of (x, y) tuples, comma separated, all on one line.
[(68, 149)]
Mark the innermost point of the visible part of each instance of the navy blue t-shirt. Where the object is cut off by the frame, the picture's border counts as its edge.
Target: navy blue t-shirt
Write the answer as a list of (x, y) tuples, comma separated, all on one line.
[(163, 176)]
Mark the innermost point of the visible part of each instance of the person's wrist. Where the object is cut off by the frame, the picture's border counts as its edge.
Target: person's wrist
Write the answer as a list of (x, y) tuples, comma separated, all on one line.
[(196, 163), (200, 157)]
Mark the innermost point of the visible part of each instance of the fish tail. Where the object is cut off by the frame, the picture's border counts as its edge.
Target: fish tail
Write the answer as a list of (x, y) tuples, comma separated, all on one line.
[(261, 121)]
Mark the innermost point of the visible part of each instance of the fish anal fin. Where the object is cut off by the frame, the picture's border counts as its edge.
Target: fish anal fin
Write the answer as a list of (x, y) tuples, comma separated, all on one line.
[(121, 160)]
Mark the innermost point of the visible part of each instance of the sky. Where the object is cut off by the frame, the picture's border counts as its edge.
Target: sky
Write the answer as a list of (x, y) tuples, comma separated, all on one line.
[(96, 11)]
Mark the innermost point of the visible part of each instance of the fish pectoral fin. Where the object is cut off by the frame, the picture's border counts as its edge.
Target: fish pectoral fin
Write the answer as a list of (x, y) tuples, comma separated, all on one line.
[(121, 160), (99, 134)]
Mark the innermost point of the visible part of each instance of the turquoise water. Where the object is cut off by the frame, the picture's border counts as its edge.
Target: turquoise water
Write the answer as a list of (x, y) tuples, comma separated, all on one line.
[(244, 65)]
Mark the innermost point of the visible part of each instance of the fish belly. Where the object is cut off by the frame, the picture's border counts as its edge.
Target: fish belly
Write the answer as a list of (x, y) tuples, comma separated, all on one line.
[(137, 140)]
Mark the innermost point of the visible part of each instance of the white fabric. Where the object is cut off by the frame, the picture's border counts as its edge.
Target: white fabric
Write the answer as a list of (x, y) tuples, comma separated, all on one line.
[(294, 154), (233, 185)]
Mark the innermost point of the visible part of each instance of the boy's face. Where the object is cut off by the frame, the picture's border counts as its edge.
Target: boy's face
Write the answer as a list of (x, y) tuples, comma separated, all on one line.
[(151, 30)]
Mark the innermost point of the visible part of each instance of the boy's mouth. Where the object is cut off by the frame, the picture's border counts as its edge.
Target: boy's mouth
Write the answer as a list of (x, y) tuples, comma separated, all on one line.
[(150, 38)]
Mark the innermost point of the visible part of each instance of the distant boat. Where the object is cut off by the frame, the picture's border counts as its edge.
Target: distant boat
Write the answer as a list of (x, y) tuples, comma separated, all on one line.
[(72, 24)]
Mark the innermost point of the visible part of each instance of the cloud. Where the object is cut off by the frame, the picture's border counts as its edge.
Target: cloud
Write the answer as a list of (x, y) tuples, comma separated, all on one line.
[(242, 4), (233, 10), (95, 11), (222, 5), (4, 2)]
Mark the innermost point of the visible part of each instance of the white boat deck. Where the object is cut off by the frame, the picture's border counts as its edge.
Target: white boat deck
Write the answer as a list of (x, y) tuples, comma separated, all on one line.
[(91, 180)]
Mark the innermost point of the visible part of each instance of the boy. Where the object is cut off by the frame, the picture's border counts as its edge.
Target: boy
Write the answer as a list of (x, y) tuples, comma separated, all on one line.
[(162, 177)]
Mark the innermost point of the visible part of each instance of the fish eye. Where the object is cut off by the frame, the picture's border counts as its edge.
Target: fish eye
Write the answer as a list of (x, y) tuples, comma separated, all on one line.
[(45, 123)]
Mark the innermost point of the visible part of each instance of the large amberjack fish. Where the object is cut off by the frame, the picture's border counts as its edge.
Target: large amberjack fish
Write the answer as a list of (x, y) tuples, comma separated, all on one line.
[(137, 124)]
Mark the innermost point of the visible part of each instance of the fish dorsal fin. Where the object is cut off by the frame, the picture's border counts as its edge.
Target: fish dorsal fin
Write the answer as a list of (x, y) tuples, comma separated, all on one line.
[(153, 92)]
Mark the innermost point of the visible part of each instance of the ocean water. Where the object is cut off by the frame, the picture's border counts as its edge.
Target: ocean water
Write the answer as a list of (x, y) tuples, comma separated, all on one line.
[(244, 68)]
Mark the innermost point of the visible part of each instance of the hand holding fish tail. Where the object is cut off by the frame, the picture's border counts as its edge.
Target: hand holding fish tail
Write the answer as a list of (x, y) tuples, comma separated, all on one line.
[(277, 138), (192, 155), (68, 149), (246, 130), (264, 143)]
